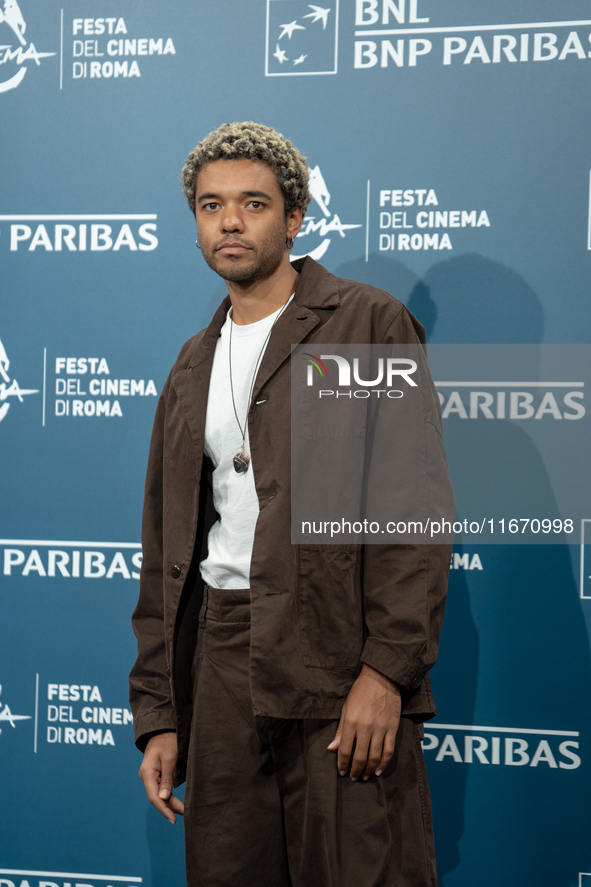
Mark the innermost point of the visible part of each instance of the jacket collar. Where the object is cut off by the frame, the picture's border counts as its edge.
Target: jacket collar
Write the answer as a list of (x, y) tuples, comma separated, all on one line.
[(316, 288), (206, 346)]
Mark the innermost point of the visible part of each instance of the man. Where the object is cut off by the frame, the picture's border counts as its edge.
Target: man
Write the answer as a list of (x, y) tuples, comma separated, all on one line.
[(273, 676)]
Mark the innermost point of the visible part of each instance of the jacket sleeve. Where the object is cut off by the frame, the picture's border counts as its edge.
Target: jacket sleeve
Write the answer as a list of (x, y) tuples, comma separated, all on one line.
[(150, 689), (405, 585)]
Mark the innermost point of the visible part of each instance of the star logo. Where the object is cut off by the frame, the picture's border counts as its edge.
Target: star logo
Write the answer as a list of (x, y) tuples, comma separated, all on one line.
[(280, 55), (303, 35), (318, 14), (289, 29)]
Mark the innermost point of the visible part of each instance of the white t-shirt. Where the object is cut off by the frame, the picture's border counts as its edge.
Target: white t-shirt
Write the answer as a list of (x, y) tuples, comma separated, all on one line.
[(230, 540)]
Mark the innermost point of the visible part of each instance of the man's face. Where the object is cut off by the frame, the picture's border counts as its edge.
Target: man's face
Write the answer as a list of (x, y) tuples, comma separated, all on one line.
[(241, 219)]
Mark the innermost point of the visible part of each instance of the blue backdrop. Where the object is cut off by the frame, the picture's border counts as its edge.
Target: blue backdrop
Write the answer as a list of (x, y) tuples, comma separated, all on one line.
[(450, 152)]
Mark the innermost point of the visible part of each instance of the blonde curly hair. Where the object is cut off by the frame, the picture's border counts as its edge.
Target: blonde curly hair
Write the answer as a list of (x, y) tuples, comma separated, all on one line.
[(251, 141)]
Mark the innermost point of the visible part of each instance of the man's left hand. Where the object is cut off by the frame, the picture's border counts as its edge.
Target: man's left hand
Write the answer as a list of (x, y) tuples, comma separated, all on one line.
[(366, 733)]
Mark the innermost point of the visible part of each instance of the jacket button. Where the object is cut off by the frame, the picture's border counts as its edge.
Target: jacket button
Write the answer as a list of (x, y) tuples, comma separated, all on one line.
[(175, 571)]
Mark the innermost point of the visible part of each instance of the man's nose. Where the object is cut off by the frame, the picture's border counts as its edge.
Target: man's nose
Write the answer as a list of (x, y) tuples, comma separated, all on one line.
[(231, 220)]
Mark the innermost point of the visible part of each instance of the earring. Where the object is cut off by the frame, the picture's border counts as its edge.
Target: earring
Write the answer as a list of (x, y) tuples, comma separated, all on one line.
[(197, 244), (289, 242)]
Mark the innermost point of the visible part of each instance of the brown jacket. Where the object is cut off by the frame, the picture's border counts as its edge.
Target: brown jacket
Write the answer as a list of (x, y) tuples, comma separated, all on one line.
[(317, 611)]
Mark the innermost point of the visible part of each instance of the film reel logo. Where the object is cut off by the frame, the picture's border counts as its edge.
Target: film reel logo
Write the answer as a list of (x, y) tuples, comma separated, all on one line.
[(12, 16)]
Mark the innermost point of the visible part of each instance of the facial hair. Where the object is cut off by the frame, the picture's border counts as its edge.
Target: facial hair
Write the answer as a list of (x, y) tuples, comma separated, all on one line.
[(262, 264)]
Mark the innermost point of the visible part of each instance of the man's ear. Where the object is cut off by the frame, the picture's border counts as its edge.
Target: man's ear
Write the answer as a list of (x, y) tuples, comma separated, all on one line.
[(294, 221)]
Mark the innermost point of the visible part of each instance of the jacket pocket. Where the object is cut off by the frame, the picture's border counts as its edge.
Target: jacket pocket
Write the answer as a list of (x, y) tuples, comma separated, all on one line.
[(330, 608)]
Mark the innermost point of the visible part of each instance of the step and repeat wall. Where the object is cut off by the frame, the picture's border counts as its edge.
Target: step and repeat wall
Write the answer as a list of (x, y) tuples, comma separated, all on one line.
[(450, 152)]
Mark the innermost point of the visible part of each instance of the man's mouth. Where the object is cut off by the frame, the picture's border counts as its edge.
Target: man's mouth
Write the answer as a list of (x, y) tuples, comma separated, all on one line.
[(233, 248)]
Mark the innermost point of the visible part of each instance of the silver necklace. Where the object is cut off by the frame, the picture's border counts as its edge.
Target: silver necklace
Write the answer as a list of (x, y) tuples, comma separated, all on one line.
[(241, 460)]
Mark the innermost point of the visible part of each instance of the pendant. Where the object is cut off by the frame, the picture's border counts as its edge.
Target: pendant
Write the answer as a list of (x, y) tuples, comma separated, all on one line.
[(241, 461)]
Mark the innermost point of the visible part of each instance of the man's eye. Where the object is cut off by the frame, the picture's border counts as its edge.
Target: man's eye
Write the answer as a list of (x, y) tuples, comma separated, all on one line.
[(256, 204)]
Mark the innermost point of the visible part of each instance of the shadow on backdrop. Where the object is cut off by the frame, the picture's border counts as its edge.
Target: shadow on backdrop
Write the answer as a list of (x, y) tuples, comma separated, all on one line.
[(473, 299), (514, 636), (387, 274)]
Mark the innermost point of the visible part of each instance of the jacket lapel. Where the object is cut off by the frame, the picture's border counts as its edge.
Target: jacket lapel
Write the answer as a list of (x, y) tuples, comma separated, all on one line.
[(316, 288), (292, 327), (192, 383)]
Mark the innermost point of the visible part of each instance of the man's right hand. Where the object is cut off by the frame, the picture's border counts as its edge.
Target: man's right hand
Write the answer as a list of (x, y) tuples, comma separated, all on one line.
[(157, 772)]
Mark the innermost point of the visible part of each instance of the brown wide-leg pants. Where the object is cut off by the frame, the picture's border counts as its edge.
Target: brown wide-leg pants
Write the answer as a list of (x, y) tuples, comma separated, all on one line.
[(264, 804)]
